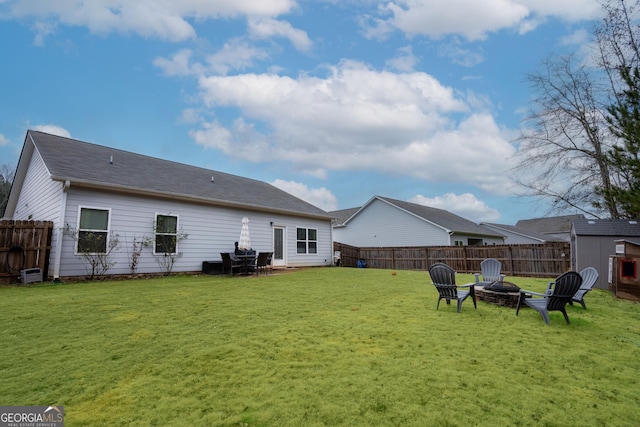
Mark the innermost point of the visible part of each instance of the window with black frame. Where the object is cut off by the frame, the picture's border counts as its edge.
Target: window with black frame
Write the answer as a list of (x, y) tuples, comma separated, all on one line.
[(307, 240)]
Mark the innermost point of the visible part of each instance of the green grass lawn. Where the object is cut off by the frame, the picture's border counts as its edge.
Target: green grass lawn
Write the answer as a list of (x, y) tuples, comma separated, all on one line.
[(314, 347)]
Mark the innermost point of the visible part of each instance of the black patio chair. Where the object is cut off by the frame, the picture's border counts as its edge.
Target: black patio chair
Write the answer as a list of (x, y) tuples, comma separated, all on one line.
[(444, 279), (558, 295), (230, 265), (264, 262)]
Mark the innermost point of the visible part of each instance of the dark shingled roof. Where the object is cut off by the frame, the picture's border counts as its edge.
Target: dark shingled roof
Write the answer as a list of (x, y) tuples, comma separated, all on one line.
[(523, 232), (607, 227), (93, 165), (555, 224), (340, 216), (440, 217), (444, 218)]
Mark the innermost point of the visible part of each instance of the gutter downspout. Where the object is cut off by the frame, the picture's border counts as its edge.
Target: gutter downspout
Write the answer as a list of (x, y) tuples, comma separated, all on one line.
[(63, 209)]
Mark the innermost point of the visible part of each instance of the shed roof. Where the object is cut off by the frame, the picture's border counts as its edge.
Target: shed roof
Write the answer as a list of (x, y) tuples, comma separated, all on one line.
[(91, 165), (606, 227)]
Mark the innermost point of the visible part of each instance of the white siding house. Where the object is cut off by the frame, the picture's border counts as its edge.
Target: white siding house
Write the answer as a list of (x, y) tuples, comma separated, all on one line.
[(385, 222), (129, 197)]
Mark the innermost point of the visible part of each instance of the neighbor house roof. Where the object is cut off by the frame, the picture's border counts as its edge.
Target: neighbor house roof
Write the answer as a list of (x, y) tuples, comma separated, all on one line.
[(90, 165), (439, 217), (340, 216), (607, 227), (554, 224), (519, 231)]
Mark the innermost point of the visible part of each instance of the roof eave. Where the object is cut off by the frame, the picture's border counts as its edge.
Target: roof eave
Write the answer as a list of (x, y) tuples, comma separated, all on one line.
[(186, 198)]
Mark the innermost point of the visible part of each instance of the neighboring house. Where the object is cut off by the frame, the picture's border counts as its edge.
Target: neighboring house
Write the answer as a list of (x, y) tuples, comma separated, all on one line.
[(385, 222), (520, 236), (593, 241), (556, 228), (92, 190)]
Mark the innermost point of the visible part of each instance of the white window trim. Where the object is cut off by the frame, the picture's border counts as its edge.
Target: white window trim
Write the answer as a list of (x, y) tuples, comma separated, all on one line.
[(108, 231), (306, 246), (155, 224)]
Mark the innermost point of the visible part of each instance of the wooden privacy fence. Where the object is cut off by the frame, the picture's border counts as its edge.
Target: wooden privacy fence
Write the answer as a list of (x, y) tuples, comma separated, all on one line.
[(24, 244), (542, 260)]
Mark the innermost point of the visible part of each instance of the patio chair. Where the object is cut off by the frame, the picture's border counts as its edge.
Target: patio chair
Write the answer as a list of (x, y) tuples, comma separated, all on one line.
[(444, 279), (230, 265), (558, 294), (490, 270), (589, 278), (264, 261)]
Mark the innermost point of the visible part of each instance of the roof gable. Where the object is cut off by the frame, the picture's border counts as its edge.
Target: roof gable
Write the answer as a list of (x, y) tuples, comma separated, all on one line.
[(438, 217), (91, 165)]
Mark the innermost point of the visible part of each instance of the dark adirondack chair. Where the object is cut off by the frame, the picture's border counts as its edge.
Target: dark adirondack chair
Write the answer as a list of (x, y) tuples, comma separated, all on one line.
[(558, 295), (490, 270), (589, 278), (444, 279)]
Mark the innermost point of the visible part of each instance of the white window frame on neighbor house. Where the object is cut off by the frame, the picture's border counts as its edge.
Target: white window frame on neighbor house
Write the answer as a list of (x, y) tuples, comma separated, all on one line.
[(88, 229), (306, 245), (157, 233)]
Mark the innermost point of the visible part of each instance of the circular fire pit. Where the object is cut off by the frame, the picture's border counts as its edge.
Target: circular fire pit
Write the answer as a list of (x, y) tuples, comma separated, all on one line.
[(505, 294)]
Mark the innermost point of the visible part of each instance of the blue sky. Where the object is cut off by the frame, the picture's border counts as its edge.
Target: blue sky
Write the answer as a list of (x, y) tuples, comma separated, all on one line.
[(334, 101)]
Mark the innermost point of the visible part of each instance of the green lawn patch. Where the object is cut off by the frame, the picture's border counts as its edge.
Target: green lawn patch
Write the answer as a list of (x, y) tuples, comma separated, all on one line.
[(314, 347)]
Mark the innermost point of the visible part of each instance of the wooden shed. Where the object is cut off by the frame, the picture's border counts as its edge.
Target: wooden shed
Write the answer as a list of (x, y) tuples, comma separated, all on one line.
[(593, 241), (624, 278)]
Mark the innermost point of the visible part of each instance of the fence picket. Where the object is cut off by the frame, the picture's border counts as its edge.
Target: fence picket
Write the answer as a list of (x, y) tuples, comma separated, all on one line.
[(540, 260)]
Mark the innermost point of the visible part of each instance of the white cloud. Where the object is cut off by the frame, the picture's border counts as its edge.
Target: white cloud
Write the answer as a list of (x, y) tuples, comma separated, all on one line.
[(320, 197), (568, 10), (405, 60), (163, 19), (357, 118), (465, 205), (236, 54), (4, 140), (53, 130), (460, 55), (435, 18), (268, 27), (577, 38), (178, 65)]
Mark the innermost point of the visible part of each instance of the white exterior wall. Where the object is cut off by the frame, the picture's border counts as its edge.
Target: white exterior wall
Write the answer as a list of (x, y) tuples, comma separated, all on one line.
[(516, 239), (486, 240), (382, 225), (210, 230), (40, 196), (40, 200)]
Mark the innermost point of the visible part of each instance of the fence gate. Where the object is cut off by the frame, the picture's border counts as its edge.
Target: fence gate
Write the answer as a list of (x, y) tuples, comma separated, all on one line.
[(23, 245)]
